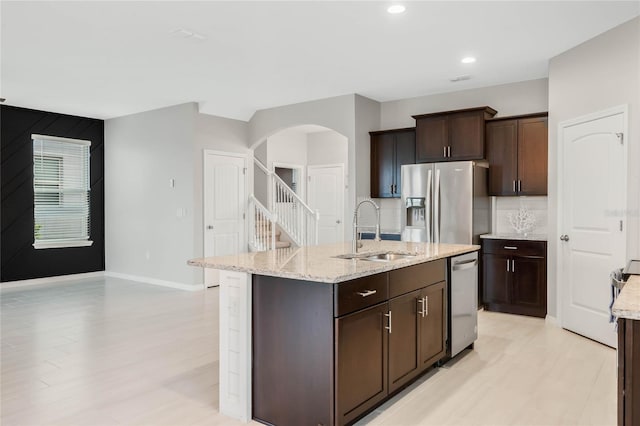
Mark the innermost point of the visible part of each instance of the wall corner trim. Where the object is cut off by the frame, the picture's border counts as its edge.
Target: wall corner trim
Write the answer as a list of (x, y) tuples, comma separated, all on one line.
[(552, 321)]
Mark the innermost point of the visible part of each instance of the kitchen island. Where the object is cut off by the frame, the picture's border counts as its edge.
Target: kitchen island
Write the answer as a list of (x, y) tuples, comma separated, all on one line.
[(314, 336), (627, 309)]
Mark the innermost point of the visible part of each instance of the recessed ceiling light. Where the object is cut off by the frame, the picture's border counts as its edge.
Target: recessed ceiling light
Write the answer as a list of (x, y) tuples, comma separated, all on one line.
[(468, 60), (396, 8)]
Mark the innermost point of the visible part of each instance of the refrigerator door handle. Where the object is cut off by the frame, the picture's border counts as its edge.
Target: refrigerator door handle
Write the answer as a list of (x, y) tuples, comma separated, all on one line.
[(428, 207), (436, 209)]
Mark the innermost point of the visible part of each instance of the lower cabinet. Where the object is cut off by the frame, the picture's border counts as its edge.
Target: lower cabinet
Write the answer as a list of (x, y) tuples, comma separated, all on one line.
[(515, 276), (361, 361), (628, 372), (325, 354)]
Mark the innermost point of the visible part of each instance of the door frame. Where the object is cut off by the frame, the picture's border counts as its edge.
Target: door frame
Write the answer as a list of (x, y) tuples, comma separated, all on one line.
[(344, 183), (560, 268), (245, 238), (302, 193)]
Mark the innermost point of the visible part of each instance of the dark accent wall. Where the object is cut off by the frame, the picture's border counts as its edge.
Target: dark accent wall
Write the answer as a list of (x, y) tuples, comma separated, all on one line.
[(19, 260)]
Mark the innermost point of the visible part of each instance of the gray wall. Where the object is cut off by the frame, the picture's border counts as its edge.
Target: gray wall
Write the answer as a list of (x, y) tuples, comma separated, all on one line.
[(144, 236), (601, 73), (337, 113), (508, 99), (327, 148), (367, 118)]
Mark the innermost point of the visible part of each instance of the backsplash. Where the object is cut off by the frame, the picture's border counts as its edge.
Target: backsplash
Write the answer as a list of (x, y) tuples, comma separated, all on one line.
[(389, 215), (390, 210), (503, 206)]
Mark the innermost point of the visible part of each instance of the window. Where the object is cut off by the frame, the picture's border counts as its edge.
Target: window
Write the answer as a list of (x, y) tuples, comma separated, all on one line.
[(61, 192)]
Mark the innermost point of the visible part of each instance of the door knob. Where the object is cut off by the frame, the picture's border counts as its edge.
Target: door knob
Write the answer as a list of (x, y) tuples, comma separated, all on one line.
[(564, 237), (338, 222), (209, 226)]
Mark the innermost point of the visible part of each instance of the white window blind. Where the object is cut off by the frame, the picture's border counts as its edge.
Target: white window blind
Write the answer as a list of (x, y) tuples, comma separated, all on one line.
[(61, 192)]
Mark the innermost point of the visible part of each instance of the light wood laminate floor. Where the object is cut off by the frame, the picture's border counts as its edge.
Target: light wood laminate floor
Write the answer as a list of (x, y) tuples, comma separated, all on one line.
[(113, 352)]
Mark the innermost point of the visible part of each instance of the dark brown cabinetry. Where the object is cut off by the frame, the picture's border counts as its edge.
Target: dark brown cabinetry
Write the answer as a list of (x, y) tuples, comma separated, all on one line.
[(515, 277), (335, 351), (361, 361), (517, 155), (390, 149), (451, 135), (628, 372)]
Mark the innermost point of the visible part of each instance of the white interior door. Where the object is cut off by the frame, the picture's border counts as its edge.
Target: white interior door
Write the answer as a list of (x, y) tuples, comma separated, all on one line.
[(592, 201), (224, 208), (326, 194)]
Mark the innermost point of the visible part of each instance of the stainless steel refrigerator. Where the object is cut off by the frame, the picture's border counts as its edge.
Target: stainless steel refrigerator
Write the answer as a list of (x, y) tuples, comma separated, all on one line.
[(445, 202)]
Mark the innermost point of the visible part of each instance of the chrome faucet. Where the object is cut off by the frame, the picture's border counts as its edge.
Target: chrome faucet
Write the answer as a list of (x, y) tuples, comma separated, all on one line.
[(354, 246)]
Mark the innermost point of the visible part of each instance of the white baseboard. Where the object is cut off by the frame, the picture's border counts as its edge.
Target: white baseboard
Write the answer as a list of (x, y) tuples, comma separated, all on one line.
[(155, 281), (52, 280), (552, 320)]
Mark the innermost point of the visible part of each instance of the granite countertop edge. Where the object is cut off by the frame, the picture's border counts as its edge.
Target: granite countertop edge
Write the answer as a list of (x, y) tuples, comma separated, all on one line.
[(359, 268), (523, 237), (627, 305)]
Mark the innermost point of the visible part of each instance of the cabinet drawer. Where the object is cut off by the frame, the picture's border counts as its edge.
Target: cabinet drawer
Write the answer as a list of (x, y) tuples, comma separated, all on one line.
[(411, 278), (360, 293), (515, 247)]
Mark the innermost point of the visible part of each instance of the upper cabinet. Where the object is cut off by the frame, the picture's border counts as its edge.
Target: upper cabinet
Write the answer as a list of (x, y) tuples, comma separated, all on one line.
[(517, 155), (451, 135), (390, 149)]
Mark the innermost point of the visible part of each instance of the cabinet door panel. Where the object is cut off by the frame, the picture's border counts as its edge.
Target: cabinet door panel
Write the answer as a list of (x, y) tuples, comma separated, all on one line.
[(466, 136), (502, 154), (532, 156), (432, 136), (382, 165), (432, 325), (496, 278), (361, 361), (405, 154), (403, 340), (529, 284)]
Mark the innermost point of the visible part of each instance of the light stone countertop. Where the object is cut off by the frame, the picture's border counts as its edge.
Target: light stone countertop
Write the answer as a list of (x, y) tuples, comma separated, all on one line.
[(525, 237), (627, 304), (317, 263)]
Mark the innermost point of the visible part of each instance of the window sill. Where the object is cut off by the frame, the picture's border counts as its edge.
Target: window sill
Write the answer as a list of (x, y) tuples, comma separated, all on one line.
[(61, 244)]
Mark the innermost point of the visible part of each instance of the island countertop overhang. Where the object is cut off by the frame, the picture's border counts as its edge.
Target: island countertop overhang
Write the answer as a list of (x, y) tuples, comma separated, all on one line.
[(318, 263)]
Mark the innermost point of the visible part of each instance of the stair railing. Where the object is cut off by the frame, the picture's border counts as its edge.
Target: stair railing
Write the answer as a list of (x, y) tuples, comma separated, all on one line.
[(262, 226), (293, 215)]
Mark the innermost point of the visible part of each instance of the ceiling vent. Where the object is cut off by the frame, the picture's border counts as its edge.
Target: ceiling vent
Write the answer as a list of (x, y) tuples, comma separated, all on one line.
[(460, 78), (188, 34)]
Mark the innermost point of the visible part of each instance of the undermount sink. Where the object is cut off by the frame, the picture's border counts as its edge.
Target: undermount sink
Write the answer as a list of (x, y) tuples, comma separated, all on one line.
[(387, 257), (378, 257)]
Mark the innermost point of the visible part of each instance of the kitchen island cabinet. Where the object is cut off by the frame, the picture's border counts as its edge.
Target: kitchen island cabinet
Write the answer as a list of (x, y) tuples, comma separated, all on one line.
[(627, 309), (309, 337)]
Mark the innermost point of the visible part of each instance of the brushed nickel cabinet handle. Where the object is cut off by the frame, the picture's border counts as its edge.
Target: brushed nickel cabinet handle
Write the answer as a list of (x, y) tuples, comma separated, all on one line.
[(511, 247), (366, 293), (388, 316), (449, 151), (421, 310), (507, 265), (444, 151), (513, 265), (426, 306), (515, 189)]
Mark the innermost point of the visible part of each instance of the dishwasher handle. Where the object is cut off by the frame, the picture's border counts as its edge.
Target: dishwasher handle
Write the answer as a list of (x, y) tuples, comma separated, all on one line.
[(460, 266)]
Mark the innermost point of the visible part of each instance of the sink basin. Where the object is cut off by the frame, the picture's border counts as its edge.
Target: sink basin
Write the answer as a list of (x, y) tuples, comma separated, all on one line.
[(379, 257), (388, 257)]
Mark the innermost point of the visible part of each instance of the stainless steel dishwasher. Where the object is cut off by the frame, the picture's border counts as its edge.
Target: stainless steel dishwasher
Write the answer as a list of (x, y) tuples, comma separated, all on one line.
[(463, 275)]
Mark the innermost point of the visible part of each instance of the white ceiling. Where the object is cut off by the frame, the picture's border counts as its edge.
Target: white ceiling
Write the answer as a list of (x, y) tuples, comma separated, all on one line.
[(107, 59)]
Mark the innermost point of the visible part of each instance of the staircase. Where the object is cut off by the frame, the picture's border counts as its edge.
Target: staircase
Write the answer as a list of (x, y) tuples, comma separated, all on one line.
[(287, 213)]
